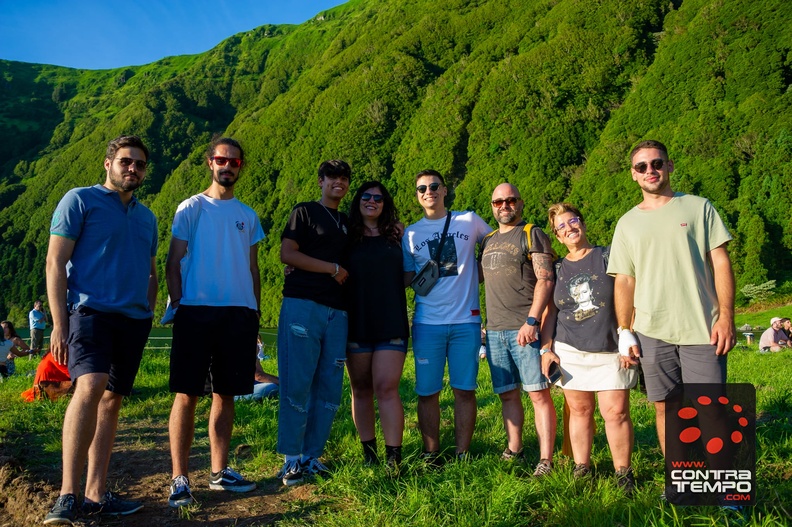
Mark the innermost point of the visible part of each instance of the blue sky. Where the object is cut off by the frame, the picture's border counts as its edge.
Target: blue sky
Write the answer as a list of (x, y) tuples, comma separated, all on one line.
[(99, 34)]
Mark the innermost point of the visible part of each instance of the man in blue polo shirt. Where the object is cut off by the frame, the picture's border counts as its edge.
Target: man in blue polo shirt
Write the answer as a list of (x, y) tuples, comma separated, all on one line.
[(38, 322), (102, 287)]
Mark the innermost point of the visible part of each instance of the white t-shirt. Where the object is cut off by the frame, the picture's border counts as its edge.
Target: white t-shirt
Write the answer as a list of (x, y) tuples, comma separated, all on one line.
[(216, 269), (455, 297)]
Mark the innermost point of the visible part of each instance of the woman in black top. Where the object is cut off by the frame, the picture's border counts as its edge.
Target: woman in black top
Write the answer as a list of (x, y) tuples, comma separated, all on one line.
[(378, 326)]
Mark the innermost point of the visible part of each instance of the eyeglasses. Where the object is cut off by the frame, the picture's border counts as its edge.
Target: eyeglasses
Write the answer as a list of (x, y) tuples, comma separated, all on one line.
[(128, 161), (223, 161), (368, 196), (657, 164), (510, 201), (572, 222), (432, 186)]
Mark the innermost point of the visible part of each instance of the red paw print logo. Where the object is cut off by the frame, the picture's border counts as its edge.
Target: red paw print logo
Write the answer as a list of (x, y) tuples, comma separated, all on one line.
[(693, 433)]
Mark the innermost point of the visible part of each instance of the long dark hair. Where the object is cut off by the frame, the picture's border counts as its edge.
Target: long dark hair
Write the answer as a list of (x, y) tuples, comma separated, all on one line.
[(388, 221), (11, 330)]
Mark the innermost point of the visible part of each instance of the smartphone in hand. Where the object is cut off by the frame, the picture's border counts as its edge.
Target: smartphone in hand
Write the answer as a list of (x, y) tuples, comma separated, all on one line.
[(554, 373)]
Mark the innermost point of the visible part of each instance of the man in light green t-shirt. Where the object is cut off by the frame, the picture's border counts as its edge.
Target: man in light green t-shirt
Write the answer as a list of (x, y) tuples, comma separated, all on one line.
[(674, 276)]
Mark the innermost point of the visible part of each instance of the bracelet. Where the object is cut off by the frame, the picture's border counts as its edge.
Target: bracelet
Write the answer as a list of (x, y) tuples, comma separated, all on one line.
[(336, 272), (544, 350)]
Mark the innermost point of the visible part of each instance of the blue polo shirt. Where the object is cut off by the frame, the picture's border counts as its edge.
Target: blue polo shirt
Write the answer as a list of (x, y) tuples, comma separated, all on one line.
[(110, 266)]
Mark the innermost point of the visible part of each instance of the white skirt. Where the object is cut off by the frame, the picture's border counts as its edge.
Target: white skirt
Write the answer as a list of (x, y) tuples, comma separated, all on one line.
[(593, 372)]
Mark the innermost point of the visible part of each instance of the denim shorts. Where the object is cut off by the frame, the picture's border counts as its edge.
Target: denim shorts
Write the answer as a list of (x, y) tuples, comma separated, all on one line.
[(434, 344), (667, 366), (371, 347), (109, 343), (512, 364)]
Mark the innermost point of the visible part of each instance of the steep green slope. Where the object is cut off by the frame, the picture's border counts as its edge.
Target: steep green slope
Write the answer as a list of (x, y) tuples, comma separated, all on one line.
[(547, 94)]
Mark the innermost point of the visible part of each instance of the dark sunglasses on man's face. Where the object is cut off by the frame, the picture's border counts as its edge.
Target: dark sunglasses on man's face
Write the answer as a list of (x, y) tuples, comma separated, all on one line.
[(432, 186), (510, 201), (368, 196), (127, 161), (223, 161), (657, 164)]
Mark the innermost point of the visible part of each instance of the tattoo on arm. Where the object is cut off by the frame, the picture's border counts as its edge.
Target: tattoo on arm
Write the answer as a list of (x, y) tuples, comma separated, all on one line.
[(543, 266)]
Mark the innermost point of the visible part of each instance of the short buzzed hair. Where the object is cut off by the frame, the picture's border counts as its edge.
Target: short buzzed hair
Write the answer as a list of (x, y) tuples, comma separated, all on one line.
[(125, 141), (649, 143)]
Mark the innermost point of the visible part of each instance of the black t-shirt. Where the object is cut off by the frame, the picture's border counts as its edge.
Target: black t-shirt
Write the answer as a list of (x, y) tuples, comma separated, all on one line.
[(584, 298), (375, 289), (320, 233)]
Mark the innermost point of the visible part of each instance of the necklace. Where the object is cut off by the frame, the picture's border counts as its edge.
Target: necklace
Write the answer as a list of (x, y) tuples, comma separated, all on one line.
[(336, 221)]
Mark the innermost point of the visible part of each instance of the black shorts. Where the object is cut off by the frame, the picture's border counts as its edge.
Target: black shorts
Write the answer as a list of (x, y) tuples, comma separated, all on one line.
[(220, 341), (106, 343)]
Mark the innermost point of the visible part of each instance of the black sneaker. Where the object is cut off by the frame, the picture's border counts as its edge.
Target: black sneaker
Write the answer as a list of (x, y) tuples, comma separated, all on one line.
[(313, 467), (63, 512), (180, 494), (111, 505), (626, 480), (231, 480), (432, 460), (291, 473)]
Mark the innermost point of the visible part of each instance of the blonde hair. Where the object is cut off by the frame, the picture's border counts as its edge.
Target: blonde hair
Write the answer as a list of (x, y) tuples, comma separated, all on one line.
[(560, 208)]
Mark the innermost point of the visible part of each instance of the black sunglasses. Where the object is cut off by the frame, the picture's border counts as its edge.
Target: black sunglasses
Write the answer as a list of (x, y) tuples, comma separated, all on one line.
[(657, 164), (127, 161), (433, 187), (510, 201), (368, 196)]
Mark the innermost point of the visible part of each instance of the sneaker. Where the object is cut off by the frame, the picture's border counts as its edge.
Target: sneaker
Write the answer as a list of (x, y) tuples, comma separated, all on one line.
[(393, 459), (432, 459), (543, 468), (313, 467), (230, 480), (626, 480), (63, 512), (581, 470), (508, 455), (111, 505), (180, 495), (291, 473), (463, 456)]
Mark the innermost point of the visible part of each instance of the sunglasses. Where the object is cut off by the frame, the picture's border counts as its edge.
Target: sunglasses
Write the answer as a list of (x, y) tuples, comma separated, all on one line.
[(433, 187), (573, 222), (657, 164), (511, 202), (367, 196), (128, 161), (223, 161)]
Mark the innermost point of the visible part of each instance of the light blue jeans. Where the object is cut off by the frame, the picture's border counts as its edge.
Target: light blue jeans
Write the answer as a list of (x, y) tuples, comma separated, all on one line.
[(311, 356)]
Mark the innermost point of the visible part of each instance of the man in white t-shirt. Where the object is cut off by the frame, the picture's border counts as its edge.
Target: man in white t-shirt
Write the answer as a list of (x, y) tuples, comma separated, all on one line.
[(213, 281), (447, 321)]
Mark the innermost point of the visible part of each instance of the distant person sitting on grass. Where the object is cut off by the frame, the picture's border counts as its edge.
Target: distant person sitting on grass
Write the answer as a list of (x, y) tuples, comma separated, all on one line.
[(265, 386), (7, 353), (22, 349), (773, 339), (786, 327)]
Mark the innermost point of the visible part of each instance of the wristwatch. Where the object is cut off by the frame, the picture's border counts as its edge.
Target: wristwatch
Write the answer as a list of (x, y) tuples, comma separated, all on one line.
[(531, 321), (620, 329)]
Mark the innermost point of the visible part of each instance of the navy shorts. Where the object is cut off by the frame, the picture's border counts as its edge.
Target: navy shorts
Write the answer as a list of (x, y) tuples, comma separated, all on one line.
[(217, 341), (109, 343), (397, 344)]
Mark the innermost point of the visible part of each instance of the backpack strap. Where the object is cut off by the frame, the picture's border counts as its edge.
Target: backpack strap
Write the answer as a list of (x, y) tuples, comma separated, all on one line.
[(526, 241)]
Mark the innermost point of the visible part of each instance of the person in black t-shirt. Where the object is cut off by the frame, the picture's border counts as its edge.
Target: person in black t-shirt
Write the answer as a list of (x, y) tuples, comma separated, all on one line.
[(378, 326), (312, 327)]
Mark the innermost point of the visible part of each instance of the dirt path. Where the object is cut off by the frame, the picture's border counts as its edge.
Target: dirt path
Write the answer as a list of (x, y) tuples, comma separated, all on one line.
[(138, 470)]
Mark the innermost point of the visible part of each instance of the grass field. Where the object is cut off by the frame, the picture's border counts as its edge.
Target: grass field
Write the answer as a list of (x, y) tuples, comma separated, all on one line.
[(482, 491)]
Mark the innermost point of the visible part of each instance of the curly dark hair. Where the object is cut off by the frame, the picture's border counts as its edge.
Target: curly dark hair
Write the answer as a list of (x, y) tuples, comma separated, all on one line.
[(388, 222)]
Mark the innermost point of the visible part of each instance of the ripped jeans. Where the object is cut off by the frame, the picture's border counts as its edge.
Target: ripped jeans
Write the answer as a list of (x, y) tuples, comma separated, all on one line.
[(311, 357)]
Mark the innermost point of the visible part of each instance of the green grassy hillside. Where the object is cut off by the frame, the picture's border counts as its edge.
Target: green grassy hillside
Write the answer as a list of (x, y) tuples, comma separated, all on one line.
[(547, 94)]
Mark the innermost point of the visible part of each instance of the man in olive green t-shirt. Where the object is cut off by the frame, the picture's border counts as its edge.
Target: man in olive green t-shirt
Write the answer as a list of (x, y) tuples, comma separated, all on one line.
[(673, 274)]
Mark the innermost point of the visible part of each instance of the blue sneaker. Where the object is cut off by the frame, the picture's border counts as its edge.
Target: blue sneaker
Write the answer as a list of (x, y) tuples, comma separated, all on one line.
[(63, 512), (111, 505)]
